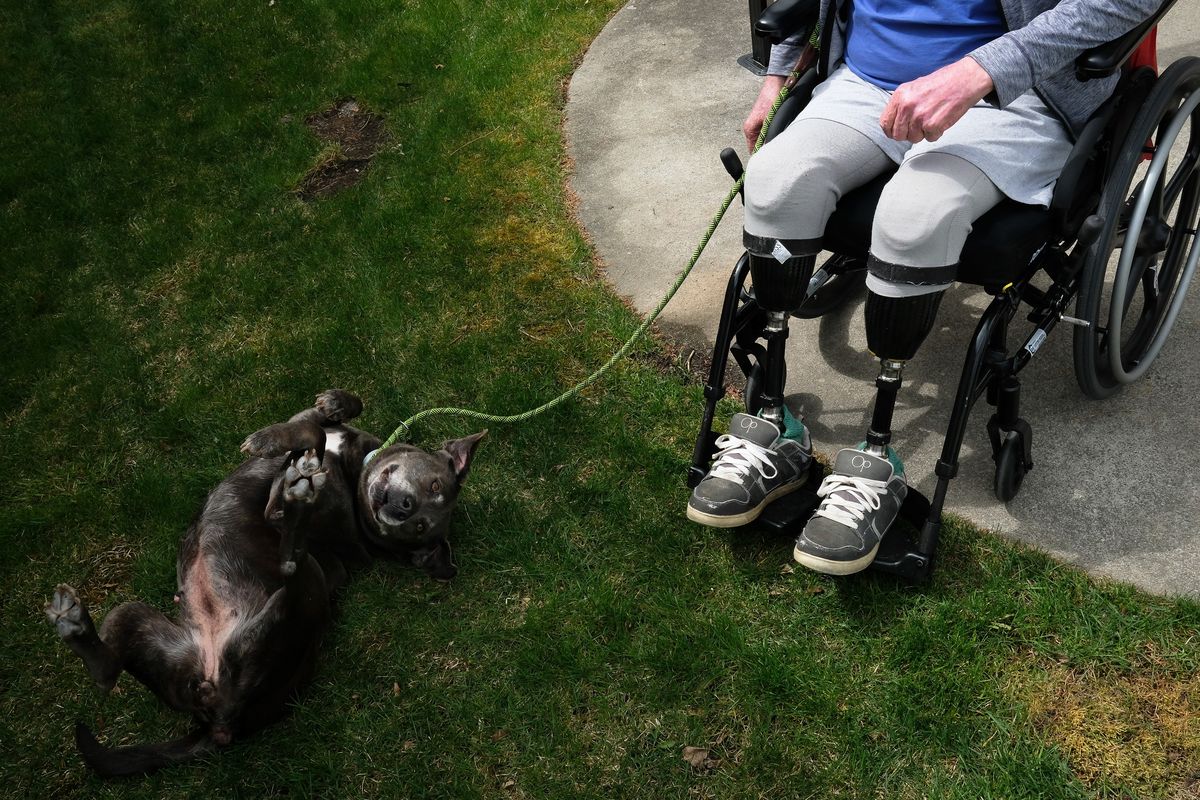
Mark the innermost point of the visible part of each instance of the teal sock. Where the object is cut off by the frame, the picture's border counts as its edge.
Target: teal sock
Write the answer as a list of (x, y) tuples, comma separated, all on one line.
[(897, 464), (792, 427)]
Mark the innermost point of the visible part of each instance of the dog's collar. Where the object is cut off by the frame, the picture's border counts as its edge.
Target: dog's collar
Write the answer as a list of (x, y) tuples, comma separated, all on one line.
[(367, 458)]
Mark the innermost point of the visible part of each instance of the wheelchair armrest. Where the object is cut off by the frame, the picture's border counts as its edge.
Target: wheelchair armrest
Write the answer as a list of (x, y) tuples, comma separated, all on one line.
[(1078, 171), (1104, 60), (1079, 183), (785, 17)]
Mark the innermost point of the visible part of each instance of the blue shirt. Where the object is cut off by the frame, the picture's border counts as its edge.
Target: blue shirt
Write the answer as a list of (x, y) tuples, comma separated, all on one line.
[(890, 42)]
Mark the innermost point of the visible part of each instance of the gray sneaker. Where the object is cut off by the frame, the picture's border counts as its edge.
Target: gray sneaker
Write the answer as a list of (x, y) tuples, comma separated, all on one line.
[(754, 466), (862, 495)]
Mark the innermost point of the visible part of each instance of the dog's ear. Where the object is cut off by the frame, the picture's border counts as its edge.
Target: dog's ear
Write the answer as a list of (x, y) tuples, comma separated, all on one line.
[(461, 451)]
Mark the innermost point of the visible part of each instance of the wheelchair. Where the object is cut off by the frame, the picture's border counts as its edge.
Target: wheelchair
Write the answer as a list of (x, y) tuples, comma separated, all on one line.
[(1117, 246)]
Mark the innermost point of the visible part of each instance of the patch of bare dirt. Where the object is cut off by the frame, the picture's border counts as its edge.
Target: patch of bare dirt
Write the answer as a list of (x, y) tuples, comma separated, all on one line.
[(358, 134), (677, 361)]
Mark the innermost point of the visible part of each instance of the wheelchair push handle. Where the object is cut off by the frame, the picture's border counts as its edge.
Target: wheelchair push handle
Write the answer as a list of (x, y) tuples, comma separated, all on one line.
[(732, 163)]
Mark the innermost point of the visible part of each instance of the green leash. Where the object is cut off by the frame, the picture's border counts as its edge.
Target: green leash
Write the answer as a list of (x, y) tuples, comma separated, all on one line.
[(405, 429)]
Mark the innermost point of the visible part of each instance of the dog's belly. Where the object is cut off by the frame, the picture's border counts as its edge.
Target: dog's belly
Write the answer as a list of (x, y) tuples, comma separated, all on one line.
[(334, 441), (215, 619)]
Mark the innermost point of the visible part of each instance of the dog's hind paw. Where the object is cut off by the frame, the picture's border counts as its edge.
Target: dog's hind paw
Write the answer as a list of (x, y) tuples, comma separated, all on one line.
[(261, 444), (67, 613), (304, 478), (337, 405), (284, 437)]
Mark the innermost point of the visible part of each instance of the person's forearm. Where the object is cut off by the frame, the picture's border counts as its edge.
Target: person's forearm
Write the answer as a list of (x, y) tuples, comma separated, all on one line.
[(772, 84), (1022, 58)]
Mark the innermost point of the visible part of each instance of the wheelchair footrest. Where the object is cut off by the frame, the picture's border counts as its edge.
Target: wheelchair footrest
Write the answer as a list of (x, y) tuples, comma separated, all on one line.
[(788, 514), (900, 551)]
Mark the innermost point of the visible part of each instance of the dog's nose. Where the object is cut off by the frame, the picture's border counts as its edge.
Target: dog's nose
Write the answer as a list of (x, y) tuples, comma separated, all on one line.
[(401, 504)]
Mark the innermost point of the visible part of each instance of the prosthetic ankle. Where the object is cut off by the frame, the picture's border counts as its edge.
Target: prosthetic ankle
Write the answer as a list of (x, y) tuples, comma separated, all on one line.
[(896, 327)]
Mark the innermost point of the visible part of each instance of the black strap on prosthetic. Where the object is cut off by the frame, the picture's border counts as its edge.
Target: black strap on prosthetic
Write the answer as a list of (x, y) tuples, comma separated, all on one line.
[(912, 276), (769, 246), (781, 269), (896, 326)]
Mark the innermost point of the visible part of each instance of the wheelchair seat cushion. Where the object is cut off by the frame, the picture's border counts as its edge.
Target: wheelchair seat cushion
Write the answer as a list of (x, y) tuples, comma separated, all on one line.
[(1001, 244)]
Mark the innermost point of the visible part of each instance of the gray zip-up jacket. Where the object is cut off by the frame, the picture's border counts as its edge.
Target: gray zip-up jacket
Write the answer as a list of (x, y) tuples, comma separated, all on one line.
[(1044, 38)]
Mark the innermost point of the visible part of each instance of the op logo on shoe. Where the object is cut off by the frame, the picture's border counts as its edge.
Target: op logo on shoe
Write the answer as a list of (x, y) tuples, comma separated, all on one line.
[(860, 463), (749, 424)]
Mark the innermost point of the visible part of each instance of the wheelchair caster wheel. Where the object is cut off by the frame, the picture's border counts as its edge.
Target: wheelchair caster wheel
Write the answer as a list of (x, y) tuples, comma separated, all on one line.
[(1010, 469)]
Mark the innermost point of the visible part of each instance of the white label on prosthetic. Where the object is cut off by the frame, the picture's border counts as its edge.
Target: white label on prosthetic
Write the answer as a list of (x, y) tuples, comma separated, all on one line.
[(1035, 341), (780, 252)]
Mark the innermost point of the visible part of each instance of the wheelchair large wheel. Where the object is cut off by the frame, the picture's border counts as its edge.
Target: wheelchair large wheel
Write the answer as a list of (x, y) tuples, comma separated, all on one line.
[(1136, 274)]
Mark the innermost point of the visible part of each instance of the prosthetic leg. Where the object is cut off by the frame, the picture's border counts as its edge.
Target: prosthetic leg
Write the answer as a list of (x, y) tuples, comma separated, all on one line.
[(781, 271), (896, 327), (754, 331), (766, 455)]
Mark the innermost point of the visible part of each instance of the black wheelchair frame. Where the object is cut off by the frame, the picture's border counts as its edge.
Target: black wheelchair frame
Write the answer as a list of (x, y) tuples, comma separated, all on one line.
[(1098, 210)]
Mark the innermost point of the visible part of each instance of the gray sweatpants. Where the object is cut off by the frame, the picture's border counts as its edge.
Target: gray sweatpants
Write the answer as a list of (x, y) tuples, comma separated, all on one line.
[(927, 209), (923, 218)]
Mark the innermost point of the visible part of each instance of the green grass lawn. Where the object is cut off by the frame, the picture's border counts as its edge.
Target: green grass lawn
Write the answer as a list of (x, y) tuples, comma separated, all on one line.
[(165, 293)]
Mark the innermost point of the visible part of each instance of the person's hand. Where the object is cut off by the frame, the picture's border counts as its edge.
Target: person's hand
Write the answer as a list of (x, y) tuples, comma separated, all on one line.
[(762, 106), (927, 107)]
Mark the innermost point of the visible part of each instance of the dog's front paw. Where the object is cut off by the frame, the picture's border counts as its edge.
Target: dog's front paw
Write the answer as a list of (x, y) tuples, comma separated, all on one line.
[(304, 478), (67, 613)]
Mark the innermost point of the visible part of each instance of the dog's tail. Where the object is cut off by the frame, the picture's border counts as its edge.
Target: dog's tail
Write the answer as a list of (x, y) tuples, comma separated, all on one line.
[(141, 758)]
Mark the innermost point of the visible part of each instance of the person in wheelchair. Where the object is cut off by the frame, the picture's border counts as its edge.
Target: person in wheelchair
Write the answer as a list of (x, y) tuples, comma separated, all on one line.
[(976, 101)]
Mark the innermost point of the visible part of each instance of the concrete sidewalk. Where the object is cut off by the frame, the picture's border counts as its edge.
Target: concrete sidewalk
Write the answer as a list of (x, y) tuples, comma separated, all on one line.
[(1115, 487)]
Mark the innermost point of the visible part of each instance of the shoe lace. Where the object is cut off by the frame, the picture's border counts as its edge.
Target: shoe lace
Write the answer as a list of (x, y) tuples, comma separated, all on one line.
[(854, 499), (737, 457)]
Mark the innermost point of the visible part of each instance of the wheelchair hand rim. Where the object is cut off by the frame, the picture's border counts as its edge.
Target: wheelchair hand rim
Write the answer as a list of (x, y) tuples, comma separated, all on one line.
[(1116, 311)]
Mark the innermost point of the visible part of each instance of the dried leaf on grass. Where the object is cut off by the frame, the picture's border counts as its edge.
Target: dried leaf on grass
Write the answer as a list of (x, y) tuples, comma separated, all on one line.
[(699, 757)]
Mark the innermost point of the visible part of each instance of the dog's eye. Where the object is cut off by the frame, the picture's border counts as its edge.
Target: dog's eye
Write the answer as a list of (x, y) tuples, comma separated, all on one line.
[(436, 486)]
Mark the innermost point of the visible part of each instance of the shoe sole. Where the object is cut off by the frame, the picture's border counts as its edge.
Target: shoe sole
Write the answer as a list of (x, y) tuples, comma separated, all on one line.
[(829, 567), (746, 517)]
